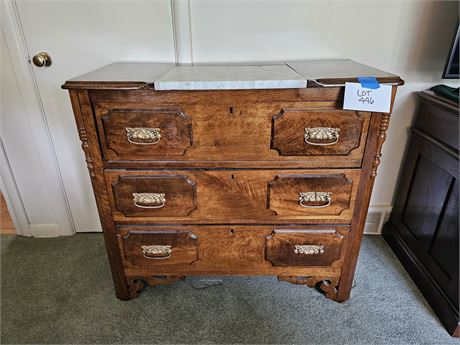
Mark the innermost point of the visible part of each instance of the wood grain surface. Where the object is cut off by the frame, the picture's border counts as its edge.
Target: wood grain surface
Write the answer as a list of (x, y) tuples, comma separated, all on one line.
[(231, 165), (183, 246), (288, 132), (280, 246), (231, 249), (233, 196), (230, 131)]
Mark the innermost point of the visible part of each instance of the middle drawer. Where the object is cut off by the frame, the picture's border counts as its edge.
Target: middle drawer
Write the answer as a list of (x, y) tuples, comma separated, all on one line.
[(233, 196)]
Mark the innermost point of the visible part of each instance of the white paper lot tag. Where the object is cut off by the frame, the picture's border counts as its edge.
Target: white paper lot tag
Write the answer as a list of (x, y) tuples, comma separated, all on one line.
[(362, 98)]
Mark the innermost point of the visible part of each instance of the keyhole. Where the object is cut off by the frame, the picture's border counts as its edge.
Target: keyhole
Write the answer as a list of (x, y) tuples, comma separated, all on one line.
[(233, 177), (230, 110), (232, 231)]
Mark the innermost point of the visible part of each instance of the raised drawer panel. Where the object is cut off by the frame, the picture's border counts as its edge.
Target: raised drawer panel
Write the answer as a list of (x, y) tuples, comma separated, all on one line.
[(218, 135), (298, 132), (151, 248), (154, 195), (143, 134), (309, 194), (305, 247), (226, 249), (233, 196)]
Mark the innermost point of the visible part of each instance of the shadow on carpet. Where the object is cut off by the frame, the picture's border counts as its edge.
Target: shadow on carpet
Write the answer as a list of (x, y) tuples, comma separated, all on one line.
[(60, 291)]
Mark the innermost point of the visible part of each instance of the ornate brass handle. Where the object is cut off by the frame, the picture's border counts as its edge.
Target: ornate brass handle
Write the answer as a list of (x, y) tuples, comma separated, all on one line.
[(143, 135), (321, 136), (308, 249), (156, 252), (315, 199), (149, 200)]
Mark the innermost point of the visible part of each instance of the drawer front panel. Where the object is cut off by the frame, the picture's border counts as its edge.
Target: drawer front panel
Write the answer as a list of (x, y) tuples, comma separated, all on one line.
[(144, 134), (228, 133), (310, 194), (298, 132), (305, 247), (154, 195), (233, 196), (152, 248), (227, 249)]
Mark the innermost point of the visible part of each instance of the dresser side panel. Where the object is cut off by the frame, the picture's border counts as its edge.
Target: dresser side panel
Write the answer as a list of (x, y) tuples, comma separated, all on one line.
[(86, 127)]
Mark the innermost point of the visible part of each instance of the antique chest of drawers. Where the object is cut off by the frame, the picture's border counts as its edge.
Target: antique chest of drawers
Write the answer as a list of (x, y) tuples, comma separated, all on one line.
[(230, 170)]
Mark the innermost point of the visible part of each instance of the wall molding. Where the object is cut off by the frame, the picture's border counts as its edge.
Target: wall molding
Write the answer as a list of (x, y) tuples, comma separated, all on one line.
[(182, 30)]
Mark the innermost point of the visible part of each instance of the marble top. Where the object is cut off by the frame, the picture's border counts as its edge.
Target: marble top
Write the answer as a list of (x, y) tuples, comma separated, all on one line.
[(230, 77), (258, 75)]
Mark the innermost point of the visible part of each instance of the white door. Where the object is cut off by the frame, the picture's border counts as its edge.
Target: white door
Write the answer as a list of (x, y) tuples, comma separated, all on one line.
[(81, 36)]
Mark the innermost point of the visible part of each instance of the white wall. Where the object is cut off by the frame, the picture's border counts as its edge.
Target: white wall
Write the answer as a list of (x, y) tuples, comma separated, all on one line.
[(408, 38)]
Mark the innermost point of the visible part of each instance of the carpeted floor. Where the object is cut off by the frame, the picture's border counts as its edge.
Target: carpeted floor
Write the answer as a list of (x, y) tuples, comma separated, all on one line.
[(60, 291)]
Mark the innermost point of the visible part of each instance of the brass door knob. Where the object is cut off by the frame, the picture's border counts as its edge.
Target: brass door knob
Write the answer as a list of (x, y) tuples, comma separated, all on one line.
[(42, 59)]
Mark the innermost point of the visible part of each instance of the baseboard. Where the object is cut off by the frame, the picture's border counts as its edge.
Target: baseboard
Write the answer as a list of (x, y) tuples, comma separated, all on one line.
[(45, 230), (376, 217), (428, 287)]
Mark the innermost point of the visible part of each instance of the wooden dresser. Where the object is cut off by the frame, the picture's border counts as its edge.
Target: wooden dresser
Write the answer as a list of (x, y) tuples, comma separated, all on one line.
[(260, 180), (423, 229)]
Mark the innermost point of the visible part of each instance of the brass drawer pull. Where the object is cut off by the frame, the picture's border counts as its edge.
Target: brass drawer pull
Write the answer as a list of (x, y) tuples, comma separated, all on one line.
[(321, 135), (315, 199), (156, 252), (308, 249), (143, 136), (149, 200)]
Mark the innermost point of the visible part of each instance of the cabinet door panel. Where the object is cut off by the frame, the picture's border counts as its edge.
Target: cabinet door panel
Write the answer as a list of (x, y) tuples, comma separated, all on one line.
[(426, 211)]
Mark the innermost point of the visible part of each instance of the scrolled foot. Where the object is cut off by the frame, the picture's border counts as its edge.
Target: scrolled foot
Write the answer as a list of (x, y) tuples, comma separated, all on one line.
[(327, 286), (137, 284), (135, 287)]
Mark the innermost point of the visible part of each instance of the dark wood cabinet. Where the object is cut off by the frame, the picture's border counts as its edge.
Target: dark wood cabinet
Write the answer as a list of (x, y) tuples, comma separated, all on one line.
[(423, 229)]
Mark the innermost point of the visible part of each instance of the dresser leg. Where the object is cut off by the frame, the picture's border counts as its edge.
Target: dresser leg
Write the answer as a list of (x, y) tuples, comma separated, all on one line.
[(344, 293), (327, 286), (135, 287)]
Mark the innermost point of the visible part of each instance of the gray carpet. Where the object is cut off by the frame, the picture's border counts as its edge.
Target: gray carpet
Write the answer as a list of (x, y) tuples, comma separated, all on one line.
[(60, 291)]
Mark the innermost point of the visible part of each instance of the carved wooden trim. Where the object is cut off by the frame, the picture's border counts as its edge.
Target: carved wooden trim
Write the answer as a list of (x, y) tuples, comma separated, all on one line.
[(104, 117), (384, 122), (327, 286), (284, 112), (85, 146), (279, 179), (187, 180)]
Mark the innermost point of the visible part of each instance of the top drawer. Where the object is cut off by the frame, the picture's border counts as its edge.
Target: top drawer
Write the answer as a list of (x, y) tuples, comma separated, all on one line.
[(265, 133)]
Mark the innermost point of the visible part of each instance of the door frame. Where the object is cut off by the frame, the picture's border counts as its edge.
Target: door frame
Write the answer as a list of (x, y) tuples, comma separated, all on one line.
[(36, 116), (62, 224)]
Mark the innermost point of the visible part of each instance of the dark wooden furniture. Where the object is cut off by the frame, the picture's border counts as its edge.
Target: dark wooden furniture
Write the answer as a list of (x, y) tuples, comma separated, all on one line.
[(424, 226), (229, 182)]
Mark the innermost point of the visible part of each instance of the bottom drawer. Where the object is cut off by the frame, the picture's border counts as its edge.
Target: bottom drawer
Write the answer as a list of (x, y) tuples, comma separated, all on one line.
[(255, 250)]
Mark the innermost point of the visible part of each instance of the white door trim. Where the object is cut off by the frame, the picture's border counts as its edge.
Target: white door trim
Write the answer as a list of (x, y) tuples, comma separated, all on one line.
[(62, 225), (12, 197), (182, 30)]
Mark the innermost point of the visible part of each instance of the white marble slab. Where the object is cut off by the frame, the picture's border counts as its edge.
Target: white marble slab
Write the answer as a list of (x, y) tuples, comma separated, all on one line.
[(230, 77)]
